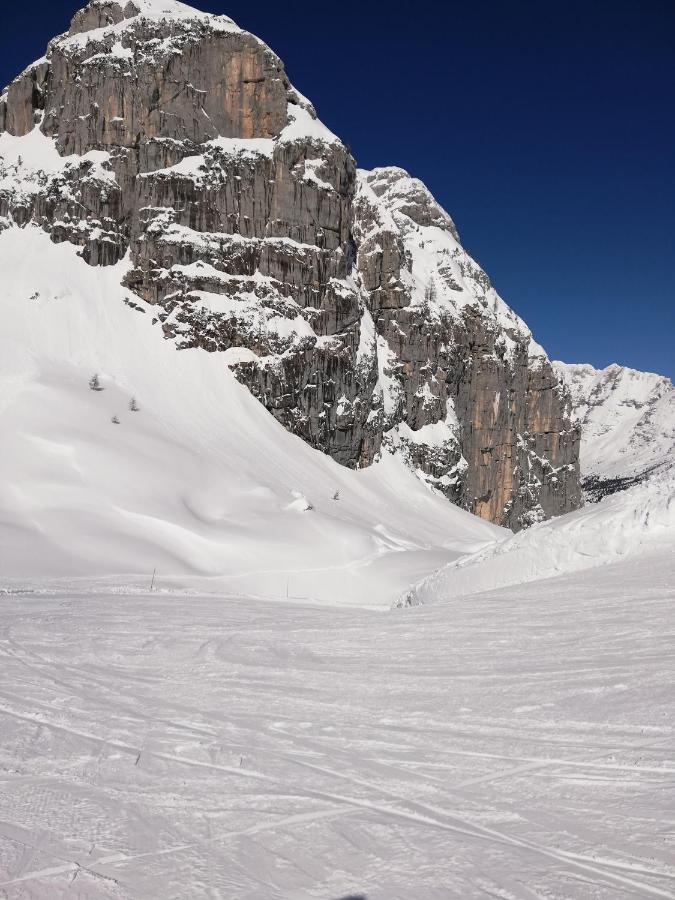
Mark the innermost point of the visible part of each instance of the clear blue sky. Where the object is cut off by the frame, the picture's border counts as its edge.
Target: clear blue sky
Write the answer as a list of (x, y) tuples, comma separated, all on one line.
[(545, 127)]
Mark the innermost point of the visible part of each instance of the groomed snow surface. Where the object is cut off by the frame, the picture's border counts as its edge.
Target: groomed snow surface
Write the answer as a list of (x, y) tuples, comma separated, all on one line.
[(518, 745), (204, 741)]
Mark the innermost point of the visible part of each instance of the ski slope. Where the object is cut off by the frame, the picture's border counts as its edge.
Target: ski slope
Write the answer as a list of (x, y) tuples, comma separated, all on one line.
[(517, 745), (201, 483)]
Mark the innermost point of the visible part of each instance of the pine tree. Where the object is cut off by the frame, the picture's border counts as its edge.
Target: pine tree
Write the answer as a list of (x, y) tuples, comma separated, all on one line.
[(95, 384), (133, 406)]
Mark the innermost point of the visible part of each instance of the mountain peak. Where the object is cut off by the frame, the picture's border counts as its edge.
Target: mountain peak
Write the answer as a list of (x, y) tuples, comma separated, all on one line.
[(105, 13), (170, 142), (101, 13)]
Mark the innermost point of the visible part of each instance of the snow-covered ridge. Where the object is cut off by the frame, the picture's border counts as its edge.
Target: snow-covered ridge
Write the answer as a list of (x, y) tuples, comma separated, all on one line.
[(113, 17), (627, 419), (166, 9), (629, 524)]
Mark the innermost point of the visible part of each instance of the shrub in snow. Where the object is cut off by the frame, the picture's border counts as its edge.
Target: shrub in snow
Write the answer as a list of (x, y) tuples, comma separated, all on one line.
[(95, 384), (133, 406), (115, 420)]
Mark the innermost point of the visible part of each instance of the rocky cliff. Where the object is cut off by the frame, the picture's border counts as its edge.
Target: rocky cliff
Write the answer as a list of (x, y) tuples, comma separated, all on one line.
[(343, 299)]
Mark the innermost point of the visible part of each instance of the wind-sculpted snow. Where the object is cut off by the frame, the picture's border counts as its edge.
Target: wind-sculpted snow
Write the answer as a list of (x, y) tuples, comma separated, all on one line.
[(199, 482), (516, 745), (637, 521)]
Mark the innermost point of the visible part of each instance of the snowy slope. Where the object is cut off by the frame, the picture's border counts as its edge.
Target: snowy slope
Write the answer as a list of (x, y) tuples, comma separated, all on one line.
[(516, 746), (630, 524), (628, 423), (202, 482)]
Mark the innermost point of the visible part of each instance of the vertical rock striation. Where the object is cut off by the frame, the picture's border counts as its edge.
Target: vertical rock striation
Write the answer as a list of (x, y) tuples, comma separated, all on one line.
[(342, 299), (474, 401)]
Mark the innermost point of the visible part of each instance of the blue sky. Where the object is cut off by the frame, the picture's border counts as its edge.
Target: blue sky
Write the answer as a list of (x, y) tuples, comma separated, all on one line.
[(546, 128)]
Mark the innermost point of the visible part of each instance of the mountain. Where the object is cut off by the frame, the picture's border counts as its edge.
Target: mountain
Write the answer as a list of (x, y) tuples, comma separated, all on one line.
[(170, 149), (200, 481), (627, 423)]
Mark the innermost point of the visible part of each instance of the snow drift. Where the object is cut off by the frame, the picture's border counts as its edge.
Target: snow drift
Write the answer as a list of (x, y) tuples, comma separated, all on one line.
[(638, 521)]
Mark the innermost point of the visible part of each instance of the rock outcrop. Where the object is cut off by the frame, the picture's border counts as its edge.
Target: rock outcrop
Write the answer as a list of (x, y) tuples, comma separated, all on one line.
[(342, 299)]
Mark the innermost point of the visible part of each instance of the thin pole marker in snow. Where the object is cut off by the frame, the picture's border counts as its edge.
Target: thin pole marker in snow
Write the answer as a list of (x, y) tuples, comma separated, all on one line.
[(152, 583)]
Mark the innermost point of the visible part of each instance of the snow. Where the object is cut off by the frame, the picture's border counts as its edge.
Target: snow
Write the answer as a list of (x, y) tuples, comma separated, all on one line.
[(153, 10), (504, 739), (628, 419), (28, 162), (245, 146), (401, 188), (304, 125), (172, 9), (195, 167), (198, 482), (312, 167), (366, 350), (37, 151), (630, 524), (433, 435), (263, 725), (516, 745)]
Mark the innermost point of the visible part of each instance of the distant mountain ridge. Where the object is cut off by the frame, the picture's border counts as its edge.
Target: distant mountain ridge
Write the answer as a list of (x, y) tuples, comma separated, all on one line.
[(172, 140), (627, 423)]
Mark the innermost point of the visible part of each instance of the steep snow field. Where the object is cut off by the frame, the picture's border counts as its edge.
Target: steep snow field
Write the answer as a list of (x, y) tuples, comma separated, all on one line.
[(201, 483), (515, 745)]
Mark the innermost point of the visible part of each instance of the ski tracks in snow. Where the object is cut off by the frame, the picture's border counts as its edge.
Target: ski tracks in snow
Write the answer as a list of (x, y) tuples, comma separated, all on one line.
[(504, 746)]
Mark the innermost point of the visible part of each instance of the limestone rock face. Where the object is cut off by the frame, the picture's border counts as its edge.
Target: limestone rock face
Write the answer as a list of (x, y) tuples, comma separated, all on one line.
[(474, 401), (172, 139), (179, 78)]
